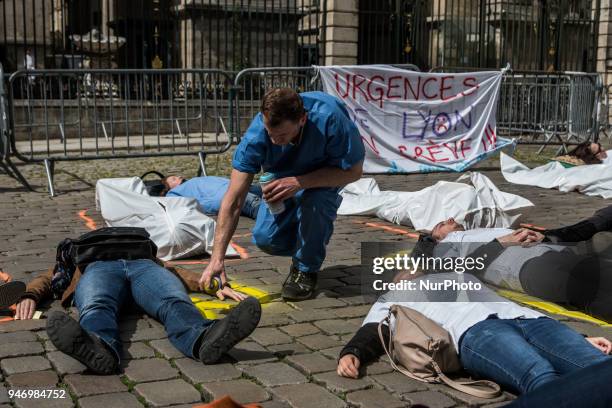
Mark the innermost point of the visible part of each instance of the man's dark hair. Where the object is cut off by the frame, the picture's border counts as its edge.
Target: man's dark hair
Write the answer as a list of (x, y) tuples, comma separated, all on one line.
[(280, 104), (584, 153)]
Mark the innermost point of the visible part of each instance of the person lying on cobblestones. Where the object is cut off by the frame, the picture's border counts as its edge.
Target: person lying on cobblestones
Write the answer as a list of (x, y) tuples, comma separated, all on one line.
[(569, 265), (496, 339), (584, 153), (209, 192), (100, 288), (310, 149)]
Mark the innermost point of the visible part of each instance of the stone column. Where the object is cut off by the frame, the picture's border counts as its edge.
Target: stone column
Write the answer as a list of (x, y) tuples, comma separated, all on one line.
[(341, 35)]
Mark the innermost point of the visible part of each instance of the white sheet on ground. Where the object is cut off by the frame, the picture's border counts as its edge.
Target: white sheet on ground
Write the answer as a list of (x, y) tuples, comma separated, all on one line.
[(176, 224), (593, 179), (473, 200)]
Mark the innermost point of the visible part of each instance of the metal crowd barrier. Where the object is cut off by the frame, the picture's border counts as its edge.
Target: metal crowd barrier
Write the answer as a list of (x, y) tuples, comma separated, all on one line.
[(547, 109), (251, 85), (56, 115), (59, 115), (5, 145)]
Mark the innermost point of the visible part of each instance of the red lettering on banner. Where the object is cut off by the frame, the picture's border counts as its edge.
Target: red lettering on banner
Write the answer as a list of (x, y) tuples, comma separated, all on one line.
[(402, 149), (453, 149), (471, 84), (357, 86), (463, 148), (445, 88), (433, 151), (348, 85), (407, 85), (371, 144), (391, 87), (381, 92)]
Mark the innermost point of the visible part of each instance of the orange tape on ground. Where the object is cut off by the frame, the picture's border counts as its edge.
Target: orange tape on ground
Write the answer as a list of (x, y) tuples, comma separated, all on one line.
[(89, 222), (533, 227), (394, 230)]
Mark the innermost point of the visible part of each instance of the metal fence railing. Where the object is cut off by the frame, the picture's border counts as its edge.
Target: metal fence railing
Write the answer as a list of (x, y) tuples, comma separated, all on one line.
[(65, 115), (99, 114), (5, 142), (251, 85), (547, 108)]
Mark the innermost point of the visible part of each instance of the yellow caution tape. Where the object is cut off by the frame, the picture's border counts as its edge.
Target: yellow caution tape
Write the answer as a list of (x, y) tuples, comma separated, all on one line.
[(551, 307), (212, 308)]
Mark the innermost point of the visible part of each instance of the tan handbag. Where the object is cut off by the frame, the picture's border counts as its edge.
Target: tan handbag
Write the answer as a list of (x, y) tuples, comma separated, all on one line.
[(422, 350)]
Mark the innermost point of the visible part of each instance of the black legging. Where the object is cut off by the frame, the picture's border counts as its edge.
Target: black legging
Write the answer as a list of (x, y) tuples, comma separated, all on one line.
[(583, 230), (580, 276)]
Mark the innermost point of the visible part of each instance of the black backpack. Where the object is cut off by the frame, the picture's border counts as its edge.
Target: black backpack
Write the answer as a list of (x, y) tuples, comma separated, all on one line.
[(104, 244), (112, 243)]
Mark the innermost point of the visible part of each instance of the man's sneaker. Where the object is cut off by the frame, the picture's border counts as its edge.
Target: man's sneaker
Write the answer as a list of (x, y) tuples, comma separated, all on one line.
[(10, 293), (299, 285), (226, 333), (69, 337)]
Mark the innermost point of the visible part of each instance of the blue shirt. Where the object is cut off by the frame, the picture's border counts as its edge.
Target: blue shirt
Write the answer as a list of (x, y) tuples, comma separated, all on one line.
[(209, 191), (330, 139)]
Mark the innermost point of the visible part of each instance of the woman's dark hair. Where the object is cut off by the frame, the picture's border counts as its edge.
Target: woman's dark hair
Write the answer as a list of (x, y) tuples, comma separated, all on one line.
[(584, 153)]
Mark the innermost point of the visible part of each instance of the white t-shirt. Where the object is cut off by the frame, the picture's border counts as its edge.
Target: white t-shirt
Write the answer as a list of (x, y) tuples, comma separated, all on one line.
[(454, 317)]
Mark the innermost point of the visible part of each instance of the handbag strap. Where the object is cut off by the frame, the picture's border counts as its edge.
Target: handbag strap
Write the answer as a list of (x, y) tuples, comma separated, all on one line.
[(474, 388), (477, 388)]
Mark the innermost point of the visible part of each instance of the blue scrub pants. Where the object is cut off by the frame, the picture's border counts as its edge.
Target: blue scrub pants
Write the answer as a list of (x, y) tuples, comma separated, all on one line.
[(302, 231)]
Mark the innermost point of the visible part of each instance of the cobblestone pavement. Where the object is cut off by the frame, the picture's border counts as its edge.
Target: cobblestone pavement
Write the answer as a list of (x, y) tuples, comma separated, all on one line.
[(288, 361)]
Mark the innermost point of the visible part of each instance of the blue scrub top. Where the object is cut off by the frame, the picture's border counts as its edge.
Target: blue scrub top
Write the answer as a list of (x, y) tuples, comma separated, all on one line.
[(330, 138), (209, 191)]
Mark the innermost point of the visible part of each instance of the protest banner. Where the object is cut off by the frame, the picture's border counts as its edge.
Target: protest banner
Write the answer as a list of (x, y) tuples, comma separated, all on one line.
[(416, 122)]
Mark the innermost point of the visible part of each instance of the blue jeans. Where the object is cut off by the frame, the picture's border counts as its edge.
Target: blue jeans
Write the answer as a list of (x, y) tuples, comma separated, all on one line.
[(588, 387), (524, 354), (251, 205), (106, 285), (303, 230)]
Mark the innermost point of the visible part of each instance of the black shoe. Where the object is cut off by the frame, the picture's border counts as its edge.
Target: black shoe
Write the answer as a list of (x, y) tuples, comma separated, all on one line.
[(299, 285), (227, 332), (10, 293), (67, 335)]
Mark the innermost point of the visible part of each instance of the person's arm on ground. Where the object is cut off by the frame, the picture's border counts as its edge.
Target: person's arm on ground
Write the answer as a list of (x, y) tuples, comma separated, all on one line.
[(363, 348), (227, 221), (37, 290), (286, 187)]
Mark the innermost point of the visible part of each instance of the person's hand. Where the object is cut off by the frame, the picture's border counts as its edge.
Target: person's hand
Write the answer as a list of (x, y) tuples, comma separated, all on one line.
[(230, 293), (348, 366), (281, 189), (601, 343), (25, 309), (212, 269), (520, 236), (534, 237)]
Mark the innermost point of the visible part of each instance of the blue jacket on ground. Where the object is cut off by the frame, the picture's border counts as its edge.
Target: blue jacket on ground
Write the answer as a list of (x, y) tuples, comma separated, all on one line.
[(209, 192)]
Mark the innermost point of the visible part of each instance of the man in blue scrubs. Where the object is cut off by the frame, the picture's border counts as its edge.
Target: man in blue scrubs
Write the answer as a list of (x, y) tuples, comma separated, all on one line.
[(209, 191), (313, 149)]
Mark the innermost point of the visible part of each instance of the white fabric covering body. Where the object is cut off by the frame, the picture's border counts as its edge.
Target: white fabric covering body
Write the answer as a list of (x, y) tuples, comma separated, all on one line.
[(473, 200), (592, 179), (176, 224)]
